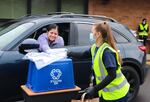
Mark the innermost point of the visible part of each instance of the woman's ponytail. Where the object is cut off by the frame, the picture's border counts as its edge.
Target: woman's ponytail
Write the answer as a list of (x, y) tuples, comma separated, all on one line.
[(107, 35)]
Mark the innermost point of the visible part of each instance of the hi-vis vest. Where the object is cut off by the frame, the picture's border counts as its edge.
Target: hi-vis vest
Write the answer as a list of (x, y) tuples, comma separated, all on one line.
[(143, 28), (119, 87)]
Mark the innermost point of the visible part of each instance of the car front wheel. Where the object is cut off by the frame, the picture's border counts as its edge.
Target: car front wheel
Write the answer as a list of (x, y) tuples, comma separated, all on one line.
[(133, 79)]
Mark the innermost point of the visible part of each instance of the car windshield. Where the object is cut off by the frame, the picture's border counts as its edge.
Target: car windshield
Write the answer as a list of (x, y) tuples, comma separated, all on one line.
[(10, 31)]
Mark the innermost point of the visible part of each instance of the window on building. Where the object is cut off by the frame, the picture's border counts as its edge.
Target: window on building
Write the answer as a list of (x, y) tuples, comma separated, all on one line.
[(44, 6), (12, 8), (74, 6)]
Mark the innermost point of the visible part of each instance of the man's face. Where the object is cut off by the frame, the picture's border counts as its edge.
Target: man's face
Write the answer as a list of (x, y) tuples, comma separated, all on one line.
[(144, 22), (53, 34)]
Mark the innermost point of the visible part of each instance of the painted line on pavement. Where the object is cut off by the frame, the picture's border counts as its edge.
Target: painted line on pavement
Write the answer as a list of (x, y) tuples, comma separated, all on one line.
[(148, 62)]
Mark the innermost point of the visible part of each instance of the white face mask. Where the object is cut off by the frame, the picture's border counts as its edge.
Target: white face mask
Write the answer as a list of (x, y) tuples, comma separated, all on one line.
[(92, 39), (144, 22)]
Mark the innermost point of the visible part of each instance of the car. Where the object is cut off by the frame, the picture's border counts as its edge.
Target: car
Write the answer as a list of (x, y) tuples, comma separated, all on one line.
[(75, 30)]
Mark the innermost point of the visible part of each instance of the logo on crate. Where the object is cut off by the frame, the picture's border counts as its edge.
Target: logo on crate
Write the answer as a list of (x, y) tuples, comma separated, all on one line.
[(55, 74)]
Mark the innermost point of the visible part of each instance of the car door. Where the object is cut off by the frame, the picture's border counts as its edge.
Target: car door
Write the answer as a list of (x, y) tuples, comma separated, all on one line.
[(12, 72), (12, 69)]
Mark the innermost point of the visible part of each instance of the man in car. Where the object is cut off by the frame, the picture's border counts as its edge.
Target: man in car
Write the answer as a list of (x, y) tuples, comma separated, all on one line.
[(50, 39)]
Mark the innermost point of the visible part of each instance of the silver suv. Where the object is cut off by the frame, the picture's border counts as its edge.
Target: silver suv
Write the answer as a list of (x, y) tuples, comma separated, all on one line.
[(75, 29)]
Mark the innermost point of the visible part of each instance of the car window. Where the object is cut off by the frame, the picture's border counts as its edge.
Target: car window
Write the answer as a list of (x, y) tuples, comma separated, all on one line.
[(9, 36), (119, 38), (84, 35), (4, 28), (125, 32), (63, 31), (84, 32)]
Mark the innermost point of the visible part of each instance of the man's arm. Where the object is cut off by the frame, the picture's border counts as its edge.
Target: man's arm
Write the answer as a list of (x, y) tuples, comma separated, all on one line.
[(147, 29), (139, 30)]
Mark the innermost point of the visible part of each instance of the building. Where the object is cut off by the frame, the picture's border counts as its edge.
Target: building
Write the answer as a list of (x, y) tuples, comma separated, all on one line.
[(11, 9), (129, 12)]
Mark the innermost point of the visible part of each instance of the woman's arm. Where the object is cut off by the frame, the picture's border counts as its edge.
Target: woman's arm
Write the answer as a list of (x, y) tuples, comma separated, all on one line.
[(109, 61), (80, 55), (108, 79)]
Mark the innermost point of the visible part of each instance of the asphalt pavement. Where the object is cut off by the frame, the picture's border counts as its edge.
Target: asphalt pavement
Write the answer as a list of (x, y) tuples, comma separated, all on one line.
[(144, 92)]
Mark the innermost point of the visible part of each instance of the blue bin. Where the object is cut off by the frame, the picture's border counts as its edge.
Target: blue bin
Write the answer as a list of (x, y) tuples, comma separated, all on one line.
[(55, 76)]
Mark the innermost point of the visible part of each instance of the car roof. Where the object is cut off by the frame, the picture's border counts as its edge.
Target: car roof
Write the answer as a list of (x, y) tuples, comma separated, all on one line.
[(70, 17), (76, 17)]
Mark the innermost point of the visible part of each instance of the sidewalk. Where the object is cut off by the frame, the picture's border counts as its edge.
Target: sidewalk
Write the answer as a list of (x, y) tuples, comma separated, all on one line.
[(148, 59)]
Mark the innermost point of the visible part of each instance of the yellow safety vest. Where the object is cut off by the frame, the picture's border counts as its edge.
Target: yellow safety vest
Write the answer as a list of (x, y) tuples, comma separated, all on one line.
[(119, 87), (144, 28)]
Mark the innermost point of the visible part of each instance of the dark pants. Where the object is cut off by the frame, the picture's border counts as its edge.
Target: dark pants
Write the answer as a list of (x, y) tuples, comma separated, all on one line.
[(144, 38), (124, 99)]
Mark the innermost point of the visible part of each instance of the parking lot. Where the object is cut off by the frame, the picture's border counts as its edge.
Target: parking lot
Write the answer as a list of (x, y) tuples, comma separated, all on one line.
[(144, 95)]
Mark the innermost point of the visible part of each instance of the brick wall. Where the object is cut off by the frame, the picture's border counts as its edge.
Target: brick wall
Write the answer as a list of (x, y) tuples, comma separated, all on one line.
[(129, 12)]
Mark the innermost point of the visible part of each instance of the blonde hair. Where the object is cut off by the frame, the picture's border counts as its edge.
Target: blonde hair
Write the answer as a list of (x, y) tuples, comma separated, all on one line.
[(107, 35)]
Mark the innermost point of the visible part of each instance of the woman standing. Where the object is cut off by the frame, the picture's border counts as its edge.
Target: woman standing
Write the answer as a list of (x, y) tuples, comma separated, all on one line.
[(111, 84)]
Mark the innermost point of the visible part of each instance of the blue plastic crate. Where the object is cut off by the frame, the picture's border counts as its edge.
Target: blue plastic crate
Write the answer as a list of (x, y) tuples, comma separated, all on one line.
[(56, 76)]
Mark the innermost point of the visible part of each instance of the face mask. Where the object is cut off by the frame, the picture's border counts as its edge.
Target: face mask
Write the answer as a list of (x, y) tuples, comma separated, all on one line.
[(144, 22), (92, 39)]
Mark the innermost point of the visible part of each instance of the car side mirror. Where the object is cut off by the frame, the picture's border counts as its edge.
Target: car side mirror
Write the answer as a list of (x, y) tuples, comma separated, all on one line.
[(28, 45)]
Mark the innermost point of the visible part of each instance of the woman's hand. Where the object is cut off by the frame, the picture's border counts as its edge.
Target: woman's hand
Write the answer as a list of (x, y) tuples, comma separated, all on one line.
[(90, 92)]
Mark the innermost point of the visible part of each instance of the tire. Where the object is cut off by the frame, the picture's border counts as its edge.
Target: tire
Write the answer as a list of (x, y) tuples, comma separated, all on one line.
[(134, 81)]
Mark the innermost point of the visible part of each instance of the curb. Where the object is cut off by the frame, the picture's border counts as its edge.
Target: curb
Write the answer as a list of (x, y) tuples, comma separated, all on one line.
[(148, 62)]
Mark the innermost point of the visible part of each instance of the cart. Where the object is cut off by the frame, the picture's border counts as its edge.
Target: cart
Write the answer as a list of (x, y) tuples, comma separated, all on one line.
[(51, 96)]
